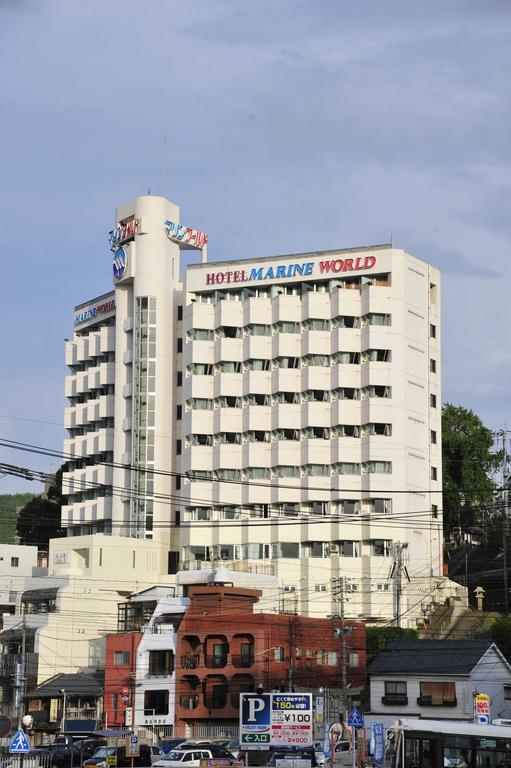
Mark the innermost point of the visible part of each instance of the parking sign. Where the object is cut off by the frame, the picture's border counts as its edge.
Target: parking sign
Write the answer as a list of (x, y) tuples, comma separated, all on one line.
[(275, 720)]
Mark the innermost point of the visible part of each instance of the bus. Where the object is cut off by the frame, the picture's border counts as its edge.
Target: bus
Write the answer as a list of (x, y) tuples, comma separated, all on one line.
[(414, 743)]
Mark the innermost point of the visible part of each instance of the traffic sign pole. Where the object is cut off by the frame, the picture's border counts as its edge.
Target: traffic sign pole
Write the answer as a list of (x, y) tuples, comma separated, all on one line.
[(354, 746)]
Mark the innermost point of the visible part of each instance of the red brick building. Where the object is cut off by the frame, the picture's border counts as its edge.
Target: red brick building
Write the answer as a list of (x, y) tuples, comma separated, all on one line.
[(120, 667), (225, 648)]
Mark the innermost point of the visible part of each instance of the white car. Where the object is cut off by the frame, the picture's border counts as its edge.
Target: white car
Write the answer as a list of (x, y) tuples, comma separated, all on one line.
[(183, 758), (156, 754)]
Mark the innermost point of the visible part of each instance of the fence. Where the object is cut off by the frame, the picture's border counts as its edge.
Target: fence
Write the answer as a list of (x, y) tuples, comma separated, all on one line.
[(29, 761)]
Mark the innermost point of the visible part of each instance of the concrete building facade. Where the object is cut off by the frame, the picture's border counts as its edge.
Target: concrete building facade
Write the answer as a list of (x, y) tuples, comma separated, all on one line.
[(280, 415)]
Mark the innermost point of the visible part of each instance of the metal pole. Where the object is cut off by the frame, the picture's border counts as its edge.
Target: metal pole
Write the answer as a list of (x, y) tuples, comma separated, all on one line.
[(504, 522), (354, 746)]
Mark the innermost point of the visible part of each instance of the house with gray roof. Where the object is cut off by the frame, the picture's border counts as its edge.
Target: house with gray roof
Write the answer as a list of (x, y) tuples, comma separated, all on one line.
[(438, 679)]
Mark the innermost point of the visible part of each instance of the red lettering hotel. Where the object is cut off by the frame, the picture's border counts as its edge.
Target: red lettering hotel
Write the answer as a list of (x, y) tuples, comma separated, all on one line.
[(279, 415)]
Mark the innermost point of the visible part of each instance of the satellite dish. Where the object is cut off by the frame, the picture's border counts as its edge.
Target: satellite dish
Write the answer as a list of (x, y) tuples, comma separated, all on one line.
[(5, 725)]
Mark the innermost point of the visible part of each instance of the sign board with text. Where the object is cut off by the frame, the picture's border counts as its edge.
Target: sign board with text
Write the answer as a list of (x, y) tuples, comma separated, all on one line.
[(275, 720), (482, 708)]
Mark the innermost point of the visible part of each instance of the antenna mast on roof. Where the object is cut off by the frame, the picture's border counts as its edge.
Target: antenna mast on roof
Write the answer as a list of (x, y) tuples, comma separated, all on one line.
[(165, 164)]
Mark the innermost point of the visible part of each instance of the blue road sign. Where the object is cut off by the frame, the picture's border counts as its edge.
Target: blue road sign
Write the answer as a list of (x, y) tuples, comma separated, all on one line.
[(355, 719), (19, 743)]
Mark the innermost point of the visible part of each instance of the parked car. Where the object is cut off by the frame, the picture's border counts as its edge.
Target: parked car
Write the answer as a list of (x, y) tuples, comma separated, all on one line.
[(320, 755), (156, 753), (167, 745), (58, 755), (123, 760), (191, 757), (342, 753), (233, 747)]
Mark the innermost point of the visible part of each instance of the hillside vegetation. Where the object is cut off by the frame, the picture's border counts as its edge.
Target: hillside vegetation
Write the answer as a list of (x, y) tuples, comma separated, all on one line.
[(9, 504)]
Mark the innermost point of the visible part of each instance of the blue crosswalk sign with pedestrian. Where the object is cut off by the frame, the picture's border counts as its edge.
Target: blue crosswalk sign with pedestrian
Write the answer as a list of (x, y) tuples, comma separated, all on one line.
[(19, 743), (355, 718)]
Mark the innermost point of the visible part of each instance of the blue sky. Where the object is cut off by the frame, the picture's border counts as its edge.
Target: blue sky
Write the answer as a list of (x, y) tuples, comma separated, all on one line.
[(291, 125)]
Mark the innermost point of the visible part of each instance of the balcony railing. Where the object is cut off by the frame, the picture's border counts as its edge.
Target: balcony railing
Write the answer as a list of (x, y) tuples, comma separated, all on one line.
[(190, 661), (427, 701), (216, 662), (395, 699), (243, 661)]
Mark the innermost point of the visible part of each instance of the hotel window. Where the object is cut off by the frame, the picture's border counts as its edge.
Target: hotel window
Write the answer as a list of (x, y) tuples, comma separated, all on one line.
[(348, 507), (377, 428), (434, 473), (179, 345), (315, 396), (346, 468), (321, 433), (199, 404), (256, 436), (434, 510), (15, 561), (316, 470), (257, 329), (179, 312), (179, 412), (432, 365), (179, 379), (346, 393), (507, 693), (285, 326), (198, 369), (346, 430), (346, 358), (376, 390), (228, 438), (227, 366), (320, 587), (382, 587), (432, 401), (228, 332), (377, 467), (316, 325), (287, 362), (257, 364), (346, 321), (315, 549), (316, 360), (286, 434), (432, 331), (354, 660), (281, 398), (228, 401), (376, 318), (286, 471), (433, 436), (200, 334), (257, 473), (178, 447), (227, 474), (377, 356)]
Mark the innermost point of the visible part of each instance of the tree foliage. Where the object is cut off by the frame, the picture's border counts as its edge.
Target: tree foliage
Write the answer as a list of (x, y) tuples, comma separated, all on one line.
[(468, 463), (39, 520), (500, 632), (377, 638)]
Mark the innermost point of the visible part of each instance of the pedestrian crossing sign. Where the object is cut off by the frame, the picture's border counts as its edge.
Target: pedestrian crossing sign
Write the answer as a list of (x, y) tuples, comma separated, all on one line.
[(19, 743)]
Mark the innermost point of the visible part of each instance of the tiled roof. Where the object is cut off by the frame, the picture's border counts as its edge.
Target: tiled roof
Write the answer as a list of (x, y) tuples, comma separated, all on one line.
[(455, 657)]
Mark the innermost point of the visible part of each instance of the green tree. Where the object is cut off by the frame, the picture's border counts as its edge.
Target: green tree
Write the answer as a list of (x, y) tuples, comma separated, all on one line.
[(39, 520), (468, 463), (377, 638), (500, 633)]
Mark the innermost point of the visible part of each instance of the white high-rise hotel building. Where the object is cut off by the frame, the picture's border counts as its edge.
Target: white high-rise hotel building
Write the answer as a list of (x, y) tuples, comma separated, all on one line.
[(278, 415)]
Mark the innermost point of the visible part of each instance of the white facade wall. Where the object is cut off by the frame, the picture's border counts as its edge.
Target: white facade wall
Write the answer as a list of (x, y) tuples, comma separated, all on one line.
[(334, 482), (491, 675)]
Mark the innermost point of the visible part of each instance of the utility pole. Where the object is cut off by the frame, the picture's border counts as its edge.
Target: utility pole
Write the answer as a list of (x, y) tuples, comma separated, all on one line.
[(398, 568), (22, 679), (339, 597), (505, 521)]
